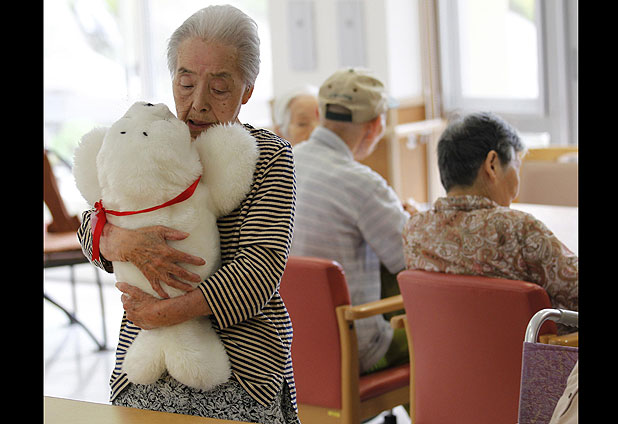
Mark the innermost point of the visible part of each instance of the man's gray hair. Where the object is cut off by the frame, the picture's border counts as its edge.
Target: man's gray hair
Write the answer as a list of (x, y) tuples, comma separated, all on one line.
[(225, 24)]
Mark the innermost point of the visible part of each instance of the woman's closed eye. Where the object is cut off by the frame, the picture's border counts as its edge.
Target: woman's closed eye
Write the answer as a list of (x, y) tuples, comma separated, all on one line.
[(185, 82), (219, 91), (219, 86)]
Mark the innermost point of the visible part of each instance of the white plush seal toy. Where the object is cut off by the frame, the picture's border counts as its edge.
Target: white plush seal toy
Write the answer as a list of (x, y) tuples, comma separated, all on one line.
[(145, 170)]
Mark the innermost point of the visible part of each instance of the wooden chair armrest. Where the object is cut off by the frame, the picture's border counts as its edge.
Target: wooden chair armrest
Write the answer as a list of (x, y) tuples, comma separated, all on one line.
[(398, 321), (571, 339), (377, 307)]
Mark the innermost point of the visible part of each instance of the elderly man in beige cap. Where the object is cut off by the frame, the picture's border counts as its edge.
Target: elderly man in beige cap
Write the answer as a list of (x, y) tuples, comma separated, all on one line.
[(353, 104), (347, 212)]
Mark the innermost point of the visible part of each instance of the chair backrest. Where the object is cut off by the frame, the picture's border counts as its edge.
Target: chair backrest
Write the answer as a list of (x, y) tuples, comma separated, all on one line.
[(466, 335), (311, 289), (549, 183), (550, 153), (62, 221)]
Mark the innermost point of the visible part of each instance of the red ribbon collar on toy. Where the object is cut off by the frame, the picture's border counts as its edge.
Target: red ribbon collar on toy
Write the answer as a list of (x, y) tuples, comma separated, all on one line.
[(99, 219)]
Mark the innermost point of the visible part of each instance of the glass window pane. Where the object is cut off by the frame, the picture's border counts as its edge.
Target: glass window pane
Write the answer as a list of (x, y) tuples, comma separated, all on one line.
[(84, 81), (498, 49)]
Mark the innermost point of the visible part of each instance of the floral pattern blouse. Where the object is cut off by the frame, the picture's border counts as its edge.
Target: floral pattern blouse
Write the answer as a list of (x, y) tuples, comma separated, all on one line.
[(474, 235)]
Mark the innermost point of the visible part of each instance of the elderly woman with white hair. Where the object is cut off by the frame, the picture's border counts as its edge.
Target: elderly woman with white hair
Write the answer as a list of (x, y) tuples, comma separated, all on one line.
[(214, 60), (295, 113)]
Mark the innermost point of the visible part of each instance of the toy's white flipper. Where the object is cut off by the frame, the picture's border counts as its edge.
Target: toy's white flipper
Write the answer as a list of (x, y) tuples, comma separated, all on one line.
[(228, 153), (85, 165)]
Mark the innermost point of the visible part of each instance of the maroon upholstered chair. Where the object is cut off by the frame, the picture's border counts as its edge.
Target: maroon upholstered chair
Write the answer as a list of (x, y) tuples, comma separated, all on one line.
[(464, 335), (325, 351)]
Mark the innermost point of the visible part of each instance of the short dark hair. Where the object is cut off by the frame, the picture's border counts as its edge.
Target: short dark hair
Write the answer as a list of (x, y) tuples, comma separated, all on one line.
[(465, 143)]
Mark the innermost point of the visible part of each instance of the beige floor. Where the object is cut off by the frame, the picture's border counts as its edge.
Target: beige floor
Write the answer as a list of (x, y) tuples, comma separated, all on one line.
[(74, 368)]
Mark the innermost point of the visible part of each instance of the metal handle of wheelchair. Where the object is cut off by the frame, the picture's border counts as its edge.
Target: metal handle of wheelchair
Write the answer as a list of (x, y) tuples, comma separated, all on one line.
[(560, 316)]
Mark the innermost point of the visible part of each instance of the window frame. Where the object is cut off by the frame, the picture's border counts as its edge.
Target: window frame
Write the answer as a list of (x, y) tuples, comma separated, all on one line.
[(555, 110)]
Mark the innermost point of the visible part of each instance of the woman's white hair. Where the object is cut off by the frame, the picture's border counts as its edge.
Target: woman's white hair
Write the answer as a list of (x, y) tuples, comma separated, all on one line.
[(225, 24)]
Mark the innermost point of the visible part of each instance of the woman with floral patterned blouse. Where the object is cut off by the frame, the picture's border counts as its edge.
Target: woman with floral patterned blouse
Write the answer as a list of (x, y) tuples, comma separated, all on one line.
[(473, 231)]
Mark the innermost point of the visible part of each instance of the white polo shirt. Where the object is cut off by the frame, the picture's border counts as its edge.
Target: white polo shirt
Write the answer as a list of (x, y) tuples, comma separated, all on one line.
[(346, 212)]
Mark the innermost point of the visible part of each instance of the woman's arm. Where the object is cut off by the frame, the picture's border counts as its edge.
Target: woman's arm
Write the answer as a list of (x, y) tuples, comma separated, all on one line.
[(240, 289), (551, 264), (148, 312), (146, 248)]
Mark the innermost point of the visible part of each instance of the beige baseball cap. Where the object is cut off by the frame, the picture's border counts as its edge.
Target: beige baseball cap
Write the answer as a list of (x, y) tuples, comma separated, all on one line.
[(356, 89)]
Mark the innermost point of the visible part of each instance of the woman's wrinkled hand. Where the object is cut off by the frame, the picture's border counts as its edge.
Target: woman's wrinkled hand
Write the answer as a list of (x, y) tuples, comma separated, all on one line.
[(142, 309), (148, 312), (147, 249)]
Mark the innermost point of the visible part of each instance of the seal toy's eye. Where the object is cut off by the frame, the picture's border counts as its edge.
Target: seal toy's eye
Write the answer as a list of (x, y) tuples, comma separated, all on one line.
[(123, 132), (149, 104), (145, 133)]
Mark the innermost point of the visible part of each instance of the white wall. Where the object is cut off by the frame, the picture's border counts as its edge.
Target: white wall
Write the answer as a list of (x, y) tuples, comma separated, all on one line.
[(404, 49), (391, 43)]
